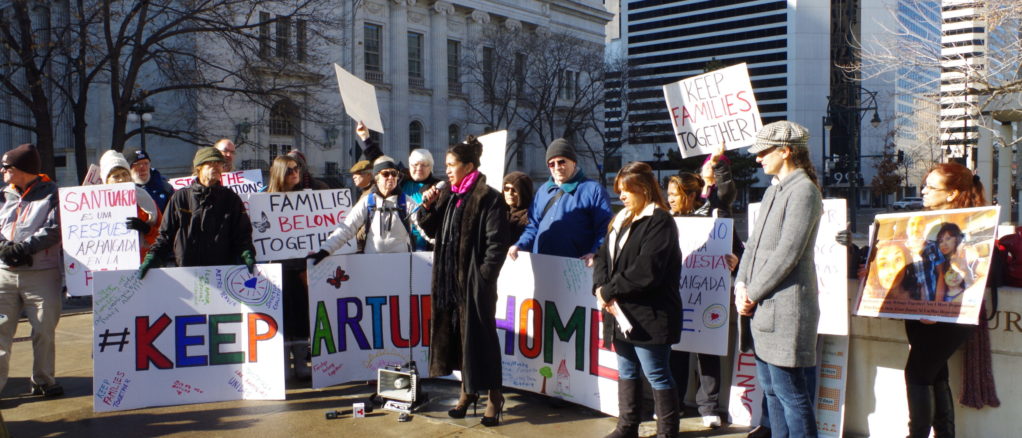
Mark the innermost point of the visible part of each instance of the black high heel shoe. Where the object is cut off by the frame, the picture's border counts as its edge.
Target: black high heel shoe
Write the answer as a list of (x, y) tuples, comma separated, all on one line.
[(460, 410), (494, 420)]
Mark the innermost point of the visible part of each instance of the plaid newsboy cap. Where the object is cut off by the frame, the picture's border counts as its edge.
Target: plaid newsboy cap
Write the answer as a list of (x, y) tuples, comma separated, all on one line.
[(782, 133)]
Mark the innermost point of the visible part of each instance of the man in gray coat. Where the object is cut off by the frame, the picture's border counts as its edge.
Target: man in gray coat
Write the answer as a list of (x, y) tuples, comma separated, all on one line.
[(775, 290)]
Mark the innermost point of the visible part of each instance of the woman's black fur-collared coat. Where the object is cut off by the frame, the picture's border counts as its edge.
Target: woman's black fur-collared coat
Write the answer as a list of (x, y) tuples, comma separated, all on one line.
[(472, 346)]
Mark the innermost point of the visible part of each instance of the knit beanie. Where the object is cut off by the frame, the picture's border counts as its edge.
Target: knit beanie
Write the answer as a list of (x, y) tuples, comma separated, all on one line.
[(138, 155), (111, 160), (383, 163), (206, 155), (561, 148), (25, 158)]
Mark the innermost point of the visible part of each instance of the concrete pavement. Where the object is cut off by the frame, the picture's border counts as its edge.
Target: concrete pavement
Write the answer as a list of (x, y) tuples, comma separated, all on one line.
[(302, 414)]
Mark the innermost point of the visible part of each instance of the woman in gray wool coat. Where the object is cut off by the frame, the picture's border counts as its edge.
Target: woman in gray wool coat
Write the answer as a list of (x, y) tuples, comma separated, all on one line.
[(775, 291)]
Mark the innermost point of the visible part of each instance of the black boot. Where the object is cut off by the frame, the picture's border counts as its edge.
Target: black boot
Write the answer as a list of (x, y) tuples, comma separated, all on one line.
[(668, 413), (920, 410), (943, 411), (628, 394)]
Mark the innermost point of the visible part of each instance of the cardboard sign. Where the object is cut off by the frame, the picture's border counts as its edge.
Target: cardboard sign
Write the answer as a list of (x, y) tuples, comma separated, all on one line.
[(364, 317), (831, 259), (829, 379), (359, 98), (931, 265), (187, 335), (713, 108), (492, 162), (705, 284), (289, 225), (94, 233), (241, 181)]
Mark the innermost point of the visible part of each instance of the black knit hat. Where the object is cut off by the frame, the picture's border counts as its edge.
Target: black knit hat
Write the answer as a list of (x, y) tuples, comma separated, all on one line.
[(137, 155), (25, 158), (383, 163), (561, 148)]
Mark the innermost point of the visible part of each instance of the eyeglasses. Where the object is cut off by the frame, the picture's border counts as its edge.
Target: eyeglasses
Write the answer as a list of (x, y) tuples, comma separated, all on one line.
[(389, 174), (554, 163), (292, 170), (7, 166)]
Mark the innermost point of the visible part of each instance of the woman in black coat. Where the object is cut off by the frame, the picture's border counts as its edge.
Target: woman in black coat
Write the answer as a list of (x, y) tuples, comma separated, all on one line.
[(469, 224), (636, 280)]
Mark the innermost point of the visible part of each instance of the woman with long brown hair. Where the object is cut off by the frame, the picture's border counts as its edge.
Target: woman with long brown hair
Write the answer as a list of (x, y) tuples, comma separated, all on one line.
[(635, 279), (930, 403)]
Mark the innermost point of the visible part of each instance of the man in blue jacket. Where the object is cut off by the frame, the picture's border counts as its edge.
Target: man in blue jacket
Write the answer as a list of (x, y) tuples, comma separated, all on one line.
[(149, 179), (570, 212)]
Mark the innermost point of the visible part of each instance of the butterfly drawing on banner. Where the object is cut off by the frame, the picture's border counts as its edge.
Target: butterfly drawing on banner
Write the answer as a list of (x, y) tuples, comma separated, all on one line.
[(338, 278), (263, 224)]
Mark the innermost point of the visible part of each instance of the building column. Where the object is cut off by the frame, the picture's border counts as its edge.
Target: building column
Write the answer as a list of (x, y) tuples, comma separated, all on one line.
[(395, 140), (436, 143), (474, 47), (985, 156), (1004, 161)]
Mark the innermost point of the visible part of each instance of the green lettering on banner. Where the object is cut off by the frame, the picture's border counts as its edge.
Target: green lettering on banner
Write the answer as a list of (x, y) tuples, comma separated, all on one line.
[(216, 339), (574, 328), (322, 332)]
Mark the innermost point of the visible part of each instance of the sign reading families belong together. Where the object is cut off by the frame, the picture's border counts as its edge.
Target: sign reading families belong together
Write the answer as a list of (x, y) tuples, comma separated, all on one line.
[(290, 225)]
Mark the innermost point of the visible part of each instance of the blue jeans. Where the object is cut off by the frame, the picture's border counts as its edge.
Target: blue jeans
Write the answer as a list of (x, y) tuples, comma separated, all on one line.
[(652, 360), (810, 372), (788, 400)]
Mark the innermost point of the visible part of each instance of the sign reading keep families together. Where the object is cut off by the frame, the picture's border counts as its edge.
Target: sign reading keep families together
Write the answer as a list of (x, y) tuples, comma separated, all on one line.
[(713, 108)]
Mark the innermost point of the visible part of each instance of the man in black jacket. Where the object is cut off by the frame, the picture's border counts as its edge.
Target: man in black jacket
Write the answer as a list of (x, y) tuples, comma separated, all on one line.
[(205, 224)]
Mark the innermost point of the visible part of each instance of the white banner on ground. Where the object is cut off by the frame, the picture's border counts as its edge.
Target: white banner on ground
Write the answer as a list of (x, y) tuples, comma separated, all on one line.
[(491, 163), (831, 266), (241, 181), (291, 224), (363, 315), (712, 108), (94, 233), (705, 284), (547, 323), (830, 377), (187, 335)]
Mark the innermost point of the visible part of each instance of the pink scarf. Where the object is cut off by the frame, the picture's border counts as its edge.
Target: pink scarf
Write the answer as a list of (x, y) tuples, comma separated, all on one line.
[(465, 185)]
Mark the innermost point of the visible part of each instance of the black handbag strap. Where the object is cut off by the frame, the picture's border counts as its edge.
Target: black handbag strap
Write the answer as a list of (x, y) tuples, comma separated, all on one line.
[(551, 203)]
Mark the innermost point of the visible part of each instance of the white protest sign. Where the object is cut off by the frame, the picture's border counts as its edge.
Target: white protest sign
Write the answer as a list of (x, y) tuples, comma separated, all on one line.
[(712, 108), (705, 284), (492, 162), (93, 176), (240, 181), (547, 324), (363, 316), (289, 225), (831, 259), (359, 98), (94, 233), (827, 381), (187, 335)]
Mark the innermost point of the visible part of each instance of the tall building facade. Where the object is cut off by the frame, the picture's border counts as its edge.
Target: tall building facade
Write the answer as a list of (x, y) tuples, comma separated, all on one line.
[(963, 57)]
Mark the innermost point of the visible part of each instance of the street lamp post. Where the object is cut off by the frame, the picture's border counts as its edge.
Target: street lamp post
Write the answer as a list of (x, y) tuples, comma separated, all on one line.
[(142, 113), (659, 156), (826, 158), (855, 114)]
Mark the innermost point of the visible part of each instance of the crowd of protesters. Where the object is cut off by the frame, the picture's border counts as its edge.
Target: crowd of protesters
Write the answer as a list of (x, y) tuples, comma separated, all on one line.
[(472, 229)]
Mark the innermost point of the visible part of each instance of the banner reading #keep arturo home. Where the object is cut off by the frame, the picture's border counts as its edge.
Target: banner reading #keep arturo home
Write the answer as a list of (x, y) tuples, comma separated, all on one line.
[(187, 335)]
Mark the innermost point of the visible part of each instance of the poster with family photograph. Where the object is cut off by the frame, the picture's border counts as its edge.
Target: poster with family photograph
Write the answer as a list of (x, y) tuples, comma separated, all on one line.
[(929, 265)]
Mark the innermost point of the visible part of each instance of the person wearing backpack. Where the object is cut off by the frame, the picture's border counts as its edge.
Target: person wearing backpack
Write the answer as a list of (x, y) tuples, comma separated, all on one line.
[(386, 212)]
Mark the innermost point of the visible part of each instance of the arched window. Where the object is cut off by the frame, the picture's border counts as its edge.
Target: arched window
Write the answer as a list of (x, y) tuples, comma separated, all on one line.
[(283, 118), (453, 134), (414, 135)]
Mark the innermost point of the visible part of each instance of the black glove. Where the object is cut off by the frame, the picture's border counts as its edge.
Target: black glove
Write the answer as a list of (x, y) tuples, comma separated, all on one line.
[(148, 262), (15, 254), (249, 259), (135, 223), (844, 237), (317, 257)]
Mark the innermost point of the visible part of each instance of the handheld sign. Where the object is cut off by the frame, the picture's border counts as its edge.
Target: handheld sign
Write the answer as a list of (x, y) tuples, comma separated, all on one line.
[(92, 177), (491, 163), (95, 236), (359, 98), (292, 224), (711, 108), (240, 181)]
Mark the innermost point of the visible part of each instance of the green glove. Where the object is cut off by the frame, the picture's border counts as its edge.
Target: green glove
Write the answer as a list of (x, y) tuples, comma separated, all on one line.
[(249, 259), (148, 262)]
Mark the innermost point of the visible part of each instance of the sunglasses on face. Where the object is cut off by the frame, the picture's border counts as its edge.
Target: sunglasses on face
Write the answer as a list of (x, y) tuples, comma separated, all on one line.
[(291, 170), (388, 174), (6, 166), (554, 163)]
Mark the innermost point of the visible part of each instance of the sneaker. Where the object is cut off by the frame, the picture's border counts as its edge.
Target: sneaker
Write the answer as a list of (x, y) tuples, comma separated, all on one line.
[(711, 421), (48, 390)]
